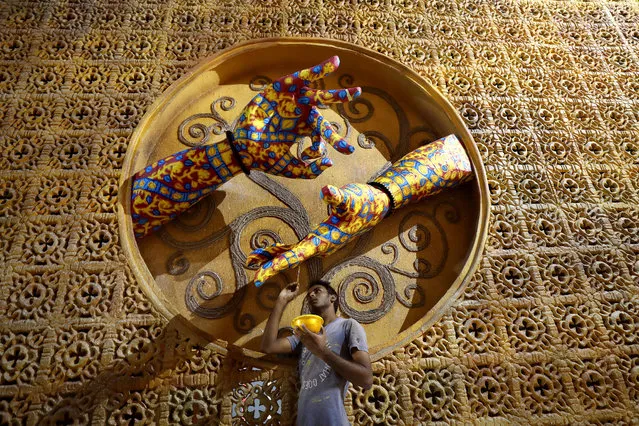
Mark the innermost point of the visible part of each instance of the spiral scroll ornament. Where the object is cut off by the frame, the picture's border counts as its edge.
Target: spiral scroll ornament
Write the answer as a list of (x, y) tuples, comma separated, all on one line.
[(194, 132), (196, 289), (365, 287)]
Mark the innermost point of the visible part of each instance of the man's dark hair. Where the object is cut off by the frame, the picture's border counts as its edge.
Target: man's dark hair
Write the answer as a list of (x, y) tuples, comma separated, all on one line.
[(331, 291)]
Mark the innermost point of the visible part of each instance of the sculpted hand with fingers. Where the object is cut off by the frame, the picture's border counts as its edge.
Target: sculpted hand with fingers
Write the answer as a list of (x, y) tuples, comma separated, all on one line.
[(356, 208), (268, 126)]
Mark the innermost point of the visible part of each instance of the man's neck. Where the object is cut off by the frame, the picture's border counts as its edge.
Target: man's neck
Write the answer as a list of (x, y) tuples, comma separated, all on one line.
[(328, 315)]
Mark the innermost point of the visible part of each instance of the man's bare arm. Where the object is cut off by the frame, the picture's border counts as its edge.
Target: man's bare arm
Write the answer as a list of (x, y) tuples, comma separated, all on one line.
[(271, 344), (358, 371)]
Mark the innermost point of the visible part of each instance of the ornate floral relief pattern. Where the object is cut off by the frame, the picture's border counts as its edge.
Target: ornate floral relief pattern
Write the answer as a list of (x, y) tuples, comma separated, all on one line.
[(578, 325), (34, 296), (194, 406), (382, 402), (22, 353), (77, 354), (528, 328), (434, 395), (490, 391), (92, 294), (132, 407), (543, 389), (478, 329)]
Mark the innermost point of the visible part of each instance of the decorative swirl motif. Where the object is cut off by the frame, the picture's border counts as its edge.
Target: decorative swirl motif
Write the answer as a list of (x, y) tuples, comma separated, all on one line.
[(207, 203), (422, 266), (295, 216), (314, 266), (365, 142), (372, 288), (199, 279), (199, 130), (177, 263), (243, 322), (357, 116), (409, 293), (345, 80), (259, 83), (388, 248), (282, 194), (285, 215), (364, 139), (418, 236), (364, 289), (264, 238), (226, 103), (197, 283), (267, 295)]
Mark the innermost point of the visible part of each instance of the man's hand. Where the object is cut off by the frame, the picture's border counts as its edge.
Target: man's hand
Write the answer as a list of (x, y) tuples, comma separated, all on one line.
[(281, 115), (288, 293), (316, 343), (271, 344)]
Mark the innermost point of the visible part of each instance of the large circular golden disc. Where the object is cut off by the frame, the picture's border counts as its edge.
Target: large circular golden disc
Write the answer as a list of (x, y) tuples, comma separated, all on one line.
[(396, 280)]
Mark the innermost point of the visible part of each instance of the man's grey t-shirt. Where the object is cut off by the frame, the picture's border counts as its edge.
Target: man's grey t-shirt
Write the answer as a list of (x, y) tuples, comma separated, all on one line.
[(322, 390)]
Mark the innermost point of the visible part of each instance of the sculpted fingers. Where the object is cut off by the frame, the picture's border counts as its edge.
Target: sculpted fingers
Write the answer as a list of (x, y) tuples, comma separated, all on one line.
[(281, 262), (319, 71), (315, 151), (298, 169), (262, 255), (323, 97), (323, 127), (333, 138), (332, 195), (308, 247)]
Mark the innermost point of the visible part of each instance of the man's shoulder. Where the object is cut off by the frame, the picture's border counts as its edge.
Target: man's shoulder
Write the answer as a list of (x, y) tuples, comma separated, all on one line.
[(348, 323)]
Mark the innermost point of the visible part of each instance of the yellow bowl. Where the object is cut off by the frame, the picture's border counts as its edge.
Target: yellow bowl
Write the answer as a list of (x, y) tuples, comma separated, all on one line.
[(312, 322)]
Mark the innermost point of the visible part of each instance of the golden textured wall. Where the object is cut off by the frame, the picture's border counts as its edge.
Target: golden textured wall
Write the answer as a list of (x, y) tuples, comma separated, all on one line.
[(546, 330)]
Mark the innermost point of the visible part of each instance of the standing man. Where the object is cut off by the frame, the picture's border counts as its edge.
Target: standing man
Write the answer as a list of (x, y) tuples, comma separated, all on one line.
[(328, 360)]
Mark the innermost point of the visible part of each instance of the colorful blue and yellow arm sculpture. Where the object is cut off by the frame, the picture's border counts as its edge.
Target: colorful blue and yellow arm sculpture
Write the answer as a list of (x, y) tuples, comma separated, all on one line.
[(356, 208), (273, 120)]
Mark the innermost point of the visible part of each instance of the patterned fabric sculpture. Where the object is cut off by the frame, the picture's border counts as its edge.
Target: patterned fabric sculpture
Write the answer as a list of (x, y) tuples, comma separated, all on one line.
[(356, 208), (276, 118)]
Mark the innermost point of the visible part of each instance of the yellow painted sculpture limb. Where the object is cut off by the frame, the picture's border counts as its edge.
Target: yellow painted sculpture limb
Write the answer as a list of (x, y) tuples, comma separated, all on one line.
[(356, 208), (271, 122)]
